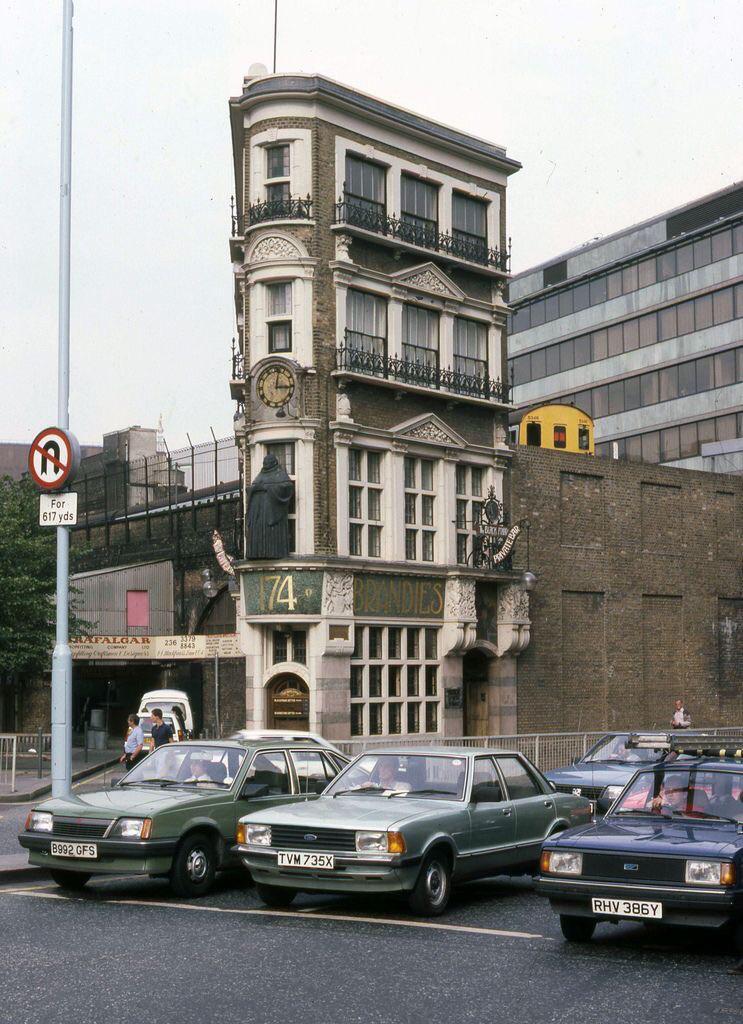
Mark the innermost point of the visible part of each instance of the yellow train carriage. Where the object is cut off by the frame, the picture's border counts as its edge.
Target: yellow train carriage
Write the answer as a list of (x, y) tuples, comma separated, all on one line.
[(554, 425)]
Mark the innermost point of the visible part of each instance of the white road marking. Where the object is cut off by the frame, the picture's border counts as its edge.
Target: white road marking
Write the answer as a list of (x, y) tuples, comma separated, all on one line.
[(297, 914)]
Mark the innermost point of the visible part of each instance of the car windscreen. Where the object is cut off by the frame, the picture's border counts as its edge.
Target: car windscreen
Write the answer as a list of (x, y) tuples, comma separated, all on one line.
[(183, 764), (433, 776), (614, 748), (688, 793)]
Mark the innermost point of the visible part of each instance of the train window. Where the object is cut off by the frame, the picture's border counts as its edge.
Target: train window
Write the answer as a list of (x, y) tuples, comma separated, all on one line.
[(534, 435), (560, 436), (583, 439)]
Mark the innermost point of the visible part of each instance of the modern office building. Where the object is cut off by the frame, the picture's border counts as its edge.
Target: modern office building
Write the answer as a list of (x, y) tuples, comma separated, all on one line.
[(370, 263), (643, 330)]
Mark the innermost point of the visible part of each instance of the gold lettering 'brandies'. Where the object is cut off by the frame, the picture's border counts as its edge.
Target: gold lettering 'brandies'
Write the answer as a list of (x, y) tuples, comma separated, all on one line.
[(398, 596)]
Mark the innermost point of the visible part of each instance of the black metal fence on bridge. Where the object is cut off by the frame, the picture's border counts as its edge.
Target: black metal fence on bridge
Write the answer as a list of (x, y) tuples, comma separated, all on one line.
[(111, 489)]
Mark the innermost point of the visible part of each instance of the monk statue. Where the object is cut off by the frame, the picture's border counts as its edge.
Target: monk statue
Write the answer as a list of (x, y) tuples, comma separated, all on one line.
[(269, 499)]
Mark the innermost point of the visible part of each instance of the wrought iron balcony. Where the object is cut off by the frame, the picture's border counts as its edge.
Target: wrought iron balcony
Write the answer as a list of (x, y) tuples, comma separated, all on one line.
[(458, 244), (279, 209), (374, 363)]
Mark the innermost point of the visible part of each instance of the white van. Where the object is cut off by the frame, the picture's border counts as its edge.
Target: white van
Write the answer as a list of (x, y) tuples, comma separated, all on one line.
[(174, 703)]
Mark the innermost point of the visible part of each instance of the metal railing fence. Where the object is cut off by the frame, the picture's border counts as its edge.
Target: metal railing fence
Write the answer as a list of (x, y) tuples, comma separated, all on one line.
[(8, 755), (546, 750)]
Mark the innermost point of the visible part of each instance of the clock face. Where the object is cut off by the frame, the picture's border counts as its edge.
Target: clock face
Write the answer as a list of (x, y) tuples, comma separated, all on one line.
[(275, 385)]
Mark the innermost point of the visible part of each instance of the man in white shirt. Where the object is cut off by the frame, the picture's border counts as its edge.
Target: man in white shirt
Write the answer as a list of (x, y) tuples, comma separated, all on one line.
[(133, 743), (680, 718)]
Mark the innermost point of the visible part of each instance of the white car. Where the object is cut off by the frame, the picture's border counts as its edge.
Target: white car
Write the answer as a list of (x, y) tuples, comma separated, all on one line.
[(289, 735), (174, 703)]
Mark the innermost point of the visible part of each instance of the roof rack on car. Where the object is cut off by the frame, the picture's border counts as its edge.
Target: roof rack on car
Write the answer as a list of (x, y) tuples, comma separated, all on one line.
[(701, 745), (651, 740)]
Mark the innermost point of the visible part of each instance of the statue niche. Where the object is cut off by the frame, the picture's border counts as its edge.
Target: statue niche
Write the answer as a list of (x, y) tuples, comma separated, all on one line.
[(269, 501)]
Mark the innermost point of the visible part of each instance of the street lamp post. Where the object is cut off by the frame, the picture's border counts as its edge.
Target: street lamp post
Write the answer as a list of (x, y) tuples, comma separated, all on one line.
[(62, 657), (211, 588)]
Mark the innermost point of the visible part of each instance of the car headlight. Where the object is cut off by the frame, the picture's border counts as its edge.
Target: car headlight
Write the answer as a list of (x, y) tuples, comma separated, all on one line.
[(611, 793), (709, 872), (132, 828), (561, 862), (39, 821), (380, 842), (258, 835)]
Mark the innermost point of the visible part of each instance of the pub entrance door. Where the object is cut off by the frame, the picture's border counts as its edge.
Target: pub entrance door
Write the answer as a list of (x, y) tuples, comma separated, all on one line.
[(288, 703), (475, 684)]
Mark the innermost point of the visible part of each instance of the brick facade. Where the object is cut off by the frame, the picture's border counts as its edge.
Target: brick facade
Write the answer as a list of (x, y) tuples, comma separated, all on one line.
[(639, 598)]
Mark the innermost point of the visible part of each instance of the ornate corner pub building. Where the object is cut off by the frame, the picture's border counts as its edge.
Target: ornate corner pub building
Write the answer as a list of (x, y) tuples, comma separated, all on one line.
[(370, 262)]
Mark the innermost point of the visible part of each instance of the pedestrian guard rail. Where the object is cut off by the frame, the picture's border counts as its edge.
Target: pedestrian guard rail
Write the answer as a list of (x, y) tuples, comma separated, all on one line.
[(22, 751), (546, 750)]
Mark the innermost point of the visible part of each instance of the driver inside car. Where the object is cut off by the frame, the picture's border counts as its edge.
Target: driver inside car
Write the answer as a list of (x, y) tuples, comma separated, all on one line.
[(385, 775), (671, 798), (199, 770), (723, 799)]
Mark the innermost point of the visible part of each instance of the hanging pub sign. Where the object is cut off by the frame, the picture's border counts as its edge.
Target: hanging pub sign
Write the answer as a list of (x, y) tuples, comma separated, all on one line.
[(492, 540)]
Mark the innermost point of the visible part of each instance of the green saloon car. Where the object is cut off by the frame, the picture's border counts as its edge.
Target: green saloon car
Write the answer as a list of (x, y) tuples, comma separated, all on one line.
[(174, 814), (411, 821)]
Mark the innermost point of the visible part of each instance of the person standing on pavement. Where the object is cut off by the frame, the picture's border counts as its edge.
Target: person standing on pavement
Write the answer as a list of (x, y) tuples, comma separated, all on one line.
[(680, 720), (133, 744), (162, 733)]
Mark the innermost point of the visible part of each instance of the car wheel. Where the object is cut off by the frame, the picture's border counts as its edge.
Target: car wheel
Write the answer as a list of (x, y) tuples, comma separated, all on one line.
[(431, 894), (577, 929), (194, 866), (275, 895), (73, 880)]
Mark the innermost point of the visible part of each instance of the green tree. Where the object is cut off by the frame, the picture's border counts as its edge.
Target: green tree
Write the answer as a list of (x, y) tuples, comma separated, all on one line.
[(27, 581)]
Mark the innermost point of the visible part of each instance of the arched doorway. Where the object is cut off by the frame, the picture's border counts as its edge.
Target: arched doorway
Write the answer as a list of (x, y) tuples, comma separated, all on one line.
[(288, 703)]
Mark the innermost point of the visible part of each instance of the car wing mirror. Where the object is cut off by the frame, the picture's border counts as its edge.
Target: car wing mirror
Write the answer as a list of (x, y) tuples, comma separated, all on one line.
[(253, 790), (115, 781)]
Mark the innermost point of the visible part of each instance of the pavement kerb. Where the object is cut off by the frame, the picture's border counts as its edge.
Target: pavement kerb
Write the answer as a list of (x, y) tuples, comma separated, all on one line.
[(34, 794)]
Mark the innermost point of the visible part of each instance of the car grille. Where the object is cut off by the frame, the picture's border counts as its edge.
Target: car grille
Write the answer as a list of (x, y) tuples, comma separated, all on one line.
[(590, 792), (294, 837), (84, 828), (612, 866)]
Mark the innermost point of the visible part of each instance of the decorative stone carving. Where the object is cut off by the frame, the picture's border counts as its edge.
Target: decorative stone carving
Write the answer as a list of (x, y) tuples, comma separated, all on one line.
[(460, 599), (459, 633), (514, 623), (337, 598), (342, 248), (429, 281), (343, 407), (274, 248), (500, 435), (430, 432)]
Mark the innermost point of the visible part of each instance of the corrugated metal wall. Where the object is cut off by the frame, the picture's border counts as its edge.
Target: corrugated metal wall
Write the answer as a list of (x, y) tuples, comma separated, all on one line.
[(101, 598)]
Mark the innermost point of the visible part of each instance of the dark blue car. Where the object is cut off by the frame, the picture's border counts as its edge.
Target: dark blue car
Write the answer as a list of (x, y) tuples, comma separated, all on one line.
[(670, 849), (604, 770)]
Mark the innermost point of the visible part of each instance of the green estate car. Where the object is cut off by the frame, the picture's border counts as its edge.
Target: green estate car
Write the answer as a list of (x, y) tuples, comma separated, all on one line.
[(410, 821), (174, 814)]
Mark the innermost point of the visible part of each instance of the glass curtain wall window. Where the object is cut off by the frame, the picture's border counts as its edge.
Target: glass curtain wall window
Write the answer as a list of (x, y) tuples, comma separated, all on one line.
[(420, 332), (469, 225), (420, 518), (419, 211), (470, 348), (278, 170), (365, 502), (279, 308), (395, 685), (470, 490), (366, 323), (686, 439), (284, 452), (364, 187)]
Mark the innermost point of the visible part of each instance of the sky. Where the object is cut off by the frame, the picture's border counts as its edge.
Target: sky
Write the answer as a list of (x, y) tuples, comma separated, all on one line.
[(617, 110)]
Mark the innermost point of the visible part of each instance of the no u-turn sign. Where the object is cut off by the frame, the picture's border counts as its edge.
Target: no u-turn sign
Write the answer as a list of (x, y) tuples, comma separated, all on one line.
[(53, 458)]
